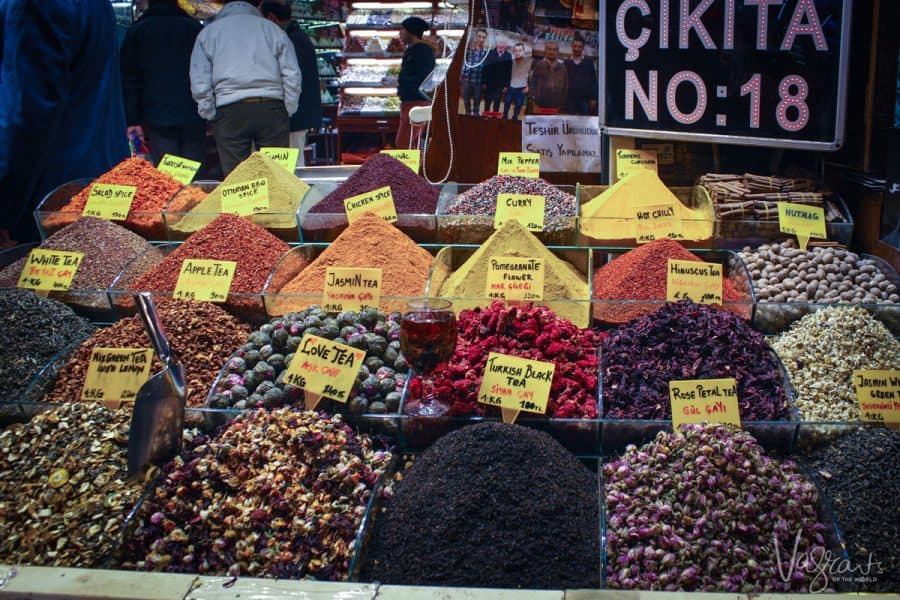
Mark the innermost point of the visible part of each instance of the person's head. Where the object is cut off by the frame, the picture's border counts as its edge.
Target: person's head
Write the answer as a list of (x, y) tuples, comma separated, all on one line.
[(480, 37), (551, 51), (577, 46), (501, 45), (255, 3), (519, 50), (277, 12), (412, 29)]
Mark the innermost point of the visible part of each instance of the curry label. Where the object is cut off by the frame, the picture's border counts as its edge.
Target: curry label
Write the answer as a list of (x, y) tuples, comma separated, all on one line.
[(527, 209)]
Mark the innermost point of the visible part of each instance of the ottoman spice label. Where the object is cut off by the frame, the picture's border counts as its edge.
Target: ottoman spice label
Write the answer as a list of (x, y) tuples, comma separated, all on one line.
[(245, 198), (116, 373), (181, 169), (803, 221), (109, 201), (50, 270), (515, 384), (511, 278), (520, 164), (878, 392), (525, 208), (699, 400), (657, 222), (353, 289), (380, 202), (699, 282), (205, 280), (322, 367)]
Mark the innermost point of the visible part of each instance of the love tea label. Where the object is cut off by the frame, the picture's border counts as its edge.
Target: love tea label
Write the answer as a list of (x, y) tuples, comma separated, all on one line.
[(245, 198), (511, 278), (380, 202), (179, 168), (205, 280), (699, 400), (515, 384), (803, 221), (324, 368), (699, 282), (410, 158), (116, 373), (285, 157), (521, 164), (525, 208), (108, 201), (50, 270), (351, 289), (878, 393), (630, 161), (657, 222)]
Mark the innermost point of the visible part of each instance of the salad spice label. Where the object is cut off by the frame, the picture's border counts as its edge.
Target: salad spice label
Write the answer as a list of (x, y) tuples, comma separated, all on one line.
[(878, 392), (699, 400), (108, 201), (50, 270)]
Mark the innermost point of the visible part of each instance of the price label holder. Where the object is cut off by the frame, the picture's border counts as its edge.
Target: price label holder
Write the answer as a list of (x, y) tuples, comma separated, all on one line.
[(521, 164), (410, 158), (515, 278), (181, 169), (50, 270), (205, 280), (380, 202), (321, 367), (656, 222), (348, 288), (699, 400), (699, 282), (285, 157), (116, 374), (630, 161), (878, 393), (108, 201), (803, 221), (245, 198), (525, 208), (516, 384)]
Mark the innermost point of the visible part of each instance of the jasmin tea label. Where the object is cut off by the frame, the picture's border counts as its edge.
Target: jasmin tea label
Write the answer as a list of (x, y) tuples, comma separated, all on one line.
[(878, 393), (630, 161), (245, 198), (699, 282), (179, 168), (803, 221), (351, 289), (699, 400), (513, 278), (116, 373), (205, 280), (521, 164), (657, 222), (527, 209), (410, 158), (514, 384), (50, 270), (380, 202), (324, 368), (285, 157), (108, 201)]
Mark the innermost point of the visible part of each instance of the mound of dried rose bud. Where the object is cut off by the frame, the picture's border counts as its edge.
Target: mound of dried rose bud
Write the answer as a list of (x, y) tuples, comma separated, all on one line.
[(275, 494), (703, 510), (527, 331)]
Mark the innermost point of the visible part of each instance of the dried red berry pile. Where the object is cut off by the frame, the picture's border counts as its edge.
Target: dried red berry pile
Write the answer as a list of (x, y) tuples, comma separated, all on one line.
[(527, 331)]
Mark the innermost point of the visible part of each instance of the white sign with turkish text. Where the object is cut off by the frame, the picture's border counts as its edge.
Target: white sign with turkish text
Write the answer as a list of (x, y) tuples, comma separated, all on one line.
[(567, 144)]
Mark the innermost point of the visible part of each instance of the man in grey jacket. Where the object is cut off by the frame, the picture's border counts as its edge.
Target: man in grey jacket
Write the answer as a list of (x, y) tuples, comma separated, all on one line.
[(245, 78)]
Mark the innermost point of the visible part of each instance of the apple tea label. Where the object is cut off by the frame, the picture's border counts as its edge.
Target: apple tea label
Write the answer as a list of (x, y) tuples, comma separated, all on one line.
[(205, 280)]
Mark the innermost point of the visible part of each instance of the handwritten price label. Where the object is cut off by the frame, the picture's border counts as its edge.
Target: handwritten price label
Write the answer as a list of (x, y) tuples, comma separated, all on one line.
[(515, 384), (512, 278), (803, 221), (878, 393), (108, 201), (526, 209), (410, 158), (285, 157), (50, 270), (699, 400), (205, 280), (380, 202), (657, 222), (246, 198), (699, 282), (180, 169), (324, 368), (351, 289), (116, 373), (521, 164), (631, 161)]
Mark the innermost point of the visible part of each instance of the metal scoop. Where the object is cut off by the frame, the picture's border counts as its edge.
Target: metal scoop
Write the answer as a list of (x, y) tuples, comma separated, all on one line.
[(158, 418)]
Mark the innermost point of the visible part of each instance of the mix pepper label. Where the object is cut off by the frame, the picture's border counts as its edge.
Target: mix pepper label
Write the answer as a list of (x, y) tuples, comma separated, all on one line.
[(527, 209), (699, 400), (348, 288), (324, 368), (380, 202), (179, 168), (50, 270), (514, 384), (410, 158), (246, 198), (513, 278), (206, 280), (109, 201), (803, 221), (630, 161), (699, 282), (657, 222), (285, 157), (878, 393), (520, 164), (116, 373)]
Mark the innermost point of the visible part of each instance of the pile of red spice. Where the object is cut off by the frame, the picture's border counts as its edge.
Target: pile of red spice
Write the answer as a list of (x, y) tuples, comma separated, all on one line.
[(641, 275), (527, 331)]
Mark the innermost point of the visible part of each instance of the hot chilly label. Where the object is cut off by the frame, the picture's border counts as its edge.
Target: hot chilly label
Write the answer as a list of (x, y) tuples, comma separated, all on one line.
[(205, 280), (657, 222), (380, 202), (510, 278), (878, 392), (521, 164), (525, 208), (50, 270), (699, 400), (324, 368), (699, 282), (351, 289), (514, 384)]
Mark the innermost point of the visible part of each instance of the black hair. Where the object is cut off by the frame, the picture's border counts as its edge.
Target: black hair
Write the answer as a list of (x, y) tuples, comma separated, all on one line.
[(281, 11)]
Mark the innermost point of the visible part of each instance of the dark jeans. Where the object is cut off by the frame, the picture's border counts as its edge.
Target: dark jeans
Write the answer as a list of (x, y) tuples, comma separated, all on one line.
[(240, 125), (579, 107), (493, 100), (514, 96), (186, 142), (471, 94)]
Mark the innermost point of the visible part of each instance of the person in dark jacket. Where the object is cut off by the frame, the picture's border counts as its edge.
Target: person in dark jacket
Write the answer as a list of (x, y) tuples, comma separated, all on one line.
[(495, 76), (417, 63), (583, 87), (61, 114), (156, 83)]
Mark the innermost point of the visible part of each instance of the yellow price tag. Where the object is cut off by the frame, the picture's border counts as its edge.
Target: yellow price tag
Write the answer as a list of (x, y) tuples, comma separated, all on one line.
[(521, 164), (116, 373), (353, 289), (699, 282), (322, 367), (513, 278), (657, 222), (410, 158), (205, 280), (630, 161), (246, 198), (286, 157), (803, 221), (515, 384), (878, 393), (109, 201), (525, 208), (179, 168), (380, 202), (50, 270), (699, 400)]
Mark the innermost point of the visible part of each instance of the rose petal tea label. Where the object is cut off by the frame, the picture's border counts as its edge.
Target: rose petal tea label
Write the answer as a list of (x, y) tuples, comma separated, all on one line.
[(699, 282), (878, 393), (380, 202), (50, 270), (630, 161), (353, 289), (657, 222), (205, 280), (699, 400), (514, 384), (285, 157), (803, 221), (521, 164), (410, 158), (324, 368), (527, 209), (514, 278), (181, 169), (108, 201), (116, 373), (245, 198)]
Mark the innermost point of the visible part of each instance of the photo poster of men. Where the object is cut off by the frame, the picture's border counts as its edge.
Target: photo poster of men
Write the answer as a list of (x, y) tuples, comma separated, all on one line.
[(532, 57)]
